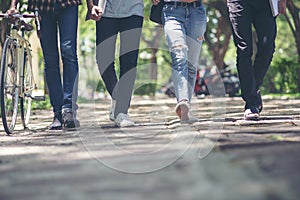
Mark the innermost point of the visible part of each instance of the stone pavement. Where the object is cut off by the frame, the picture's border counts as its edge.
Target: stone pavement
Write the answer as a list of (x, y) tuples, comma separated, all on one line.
[(219, 157)]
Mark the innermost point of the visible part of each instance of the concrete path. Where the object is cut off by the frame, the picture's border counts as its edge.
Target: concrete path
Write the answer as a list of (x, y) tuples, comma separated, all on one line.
[(219, 157)]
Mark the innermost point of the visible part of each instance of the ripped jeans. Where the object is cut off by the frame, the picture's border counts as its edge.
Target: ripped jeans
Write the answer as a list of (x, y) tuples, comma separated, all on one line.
[(184, 29)]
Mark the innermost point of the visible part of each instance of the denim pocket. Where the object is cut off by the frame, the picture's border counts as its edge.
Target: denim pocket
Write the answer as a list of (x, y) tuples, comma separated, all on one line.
[(201, 10)]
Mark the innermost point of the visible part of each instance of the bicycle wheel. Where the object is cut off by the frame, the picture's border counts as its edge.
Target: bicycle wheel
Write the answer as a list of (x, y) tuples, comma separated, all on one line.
[(27, 87), (8, 86)]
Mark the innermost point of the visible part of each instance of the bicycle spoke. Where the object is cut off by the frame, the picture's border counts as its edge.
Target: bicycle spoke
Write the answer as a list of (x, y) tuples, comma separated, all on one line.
[(8, 86), (16, 77), (28, 86)]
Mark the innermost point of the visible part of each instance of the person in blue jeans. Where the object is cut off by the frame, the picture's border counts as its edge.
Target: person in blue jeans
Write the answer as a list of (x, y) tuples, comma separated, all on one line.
[(124, 18), (243, 14), (184, 24), (59, 17)]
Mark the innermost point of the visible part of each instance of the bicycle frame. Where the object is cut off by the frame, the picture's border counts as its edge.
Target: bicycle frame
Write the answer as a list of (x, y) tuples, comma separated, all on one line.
[(22, 47), (23, 82)]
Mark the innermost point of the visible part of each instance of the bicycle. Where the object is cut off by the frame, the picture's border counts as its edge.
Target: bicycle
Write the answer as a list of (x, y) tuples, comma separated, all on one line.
[(16, 75)]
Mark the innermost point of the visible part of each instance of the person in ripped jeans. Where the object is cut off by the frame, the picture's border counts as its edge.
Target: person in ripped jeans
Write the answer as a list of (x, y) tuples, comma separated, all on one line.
[(184, 24)]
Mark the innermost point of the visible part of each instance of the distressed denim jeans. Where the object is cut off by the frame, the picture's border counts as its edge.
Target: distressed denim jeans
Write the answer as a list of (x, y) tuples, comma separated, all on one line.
[(184, 28), (63, 21)]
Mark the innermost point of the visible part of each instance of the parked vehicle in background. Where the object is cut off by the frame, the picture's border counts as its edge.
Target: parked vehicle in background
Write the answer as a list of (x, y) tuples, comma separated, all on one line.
[(209, 78), (231, 82)]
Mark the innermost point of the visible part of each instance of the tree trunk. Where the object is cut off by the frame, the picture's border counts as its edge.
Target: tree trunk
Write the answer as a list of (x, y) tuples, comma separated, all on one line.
[(3, 24), (219, 47), (154, 44), (295, 27)]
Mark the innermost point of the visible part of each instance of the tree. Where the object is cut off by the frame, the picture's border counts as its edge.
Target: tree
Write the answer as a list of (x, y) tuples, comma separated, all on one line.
[(294, 24), (3, 23), (218, 32), (4, 5)]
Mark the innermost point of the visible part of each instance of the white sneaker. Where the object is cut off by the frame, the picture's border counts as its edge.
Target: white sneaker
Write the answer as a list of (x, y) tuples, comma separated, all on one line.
[(112, 110), (250, 115), (192, 118), (123, 120), (182, 109)]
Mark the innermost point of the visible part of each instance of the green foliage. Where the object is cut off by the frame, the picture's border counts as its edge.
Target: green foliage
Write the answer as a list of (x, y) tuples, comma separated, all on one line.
[(283, 96), (282, 76), (100, 86), (147, 89), (285, 42), (41, 105), (37, 105)]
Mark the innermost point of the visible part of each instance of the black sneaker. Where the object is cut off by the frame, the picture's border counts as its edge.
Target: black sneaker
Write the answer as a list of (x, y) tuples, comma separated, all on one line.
[(69, 119), (57, 122)]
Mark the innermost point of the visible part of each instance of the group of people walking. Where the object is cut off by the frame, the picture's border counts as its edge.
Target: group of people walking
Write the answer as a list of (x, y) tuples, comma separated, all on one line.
[(184, 23)]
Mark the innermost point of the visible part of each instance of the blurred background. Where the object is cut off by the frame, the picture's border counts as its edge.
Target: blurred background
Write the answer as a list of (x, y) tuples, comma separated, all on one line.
[(154, 68)]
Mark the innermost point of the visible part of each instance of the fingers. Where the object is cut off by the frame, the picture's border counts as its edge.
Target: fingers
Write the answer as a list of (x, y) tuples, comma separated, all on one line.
[(96, 13), (12, 11), (155, 2)]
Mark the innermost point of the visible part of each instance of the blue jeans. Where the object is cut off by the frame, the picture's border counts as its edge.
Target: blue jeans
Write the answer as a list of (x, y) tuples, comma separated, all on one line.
[(62, 21), (244, 13), (184, 30)]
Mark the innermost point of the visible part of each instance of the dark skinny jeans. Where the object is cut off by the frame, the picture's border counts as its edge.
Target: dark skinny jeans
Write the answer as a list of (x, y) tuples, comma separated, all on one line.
[(63, 21), (244, 13), (107, 30)]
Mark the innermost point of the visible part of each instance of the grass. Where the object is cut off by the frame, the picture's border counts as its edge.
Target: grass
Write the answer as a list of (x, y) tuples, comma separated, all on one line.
[(284, 96), (41, 105)]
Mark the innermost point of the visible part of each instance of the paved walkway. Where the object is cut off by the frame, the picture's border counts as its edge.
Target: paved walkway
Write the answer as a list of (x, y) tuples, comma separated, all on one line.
[(219, 157)]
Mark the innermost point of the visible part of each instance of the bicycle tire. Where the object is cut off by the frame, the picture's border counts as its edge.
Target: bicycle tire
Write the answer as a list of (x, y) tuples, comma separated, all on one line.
[(9, 85), (27, 88)]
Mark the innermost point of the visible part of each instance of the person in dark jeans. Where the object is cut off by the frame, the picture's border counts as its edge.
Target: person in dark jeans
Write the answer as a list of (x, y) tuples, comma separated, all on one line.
[(59, 17), (243, 14), (124, 18)]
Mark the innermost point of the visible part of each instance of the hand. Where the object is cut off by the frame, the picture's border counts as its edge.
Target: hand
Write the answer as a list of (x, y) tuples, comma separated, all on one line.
[(282, 7), (155, 2), (96, 13), (12, 10)]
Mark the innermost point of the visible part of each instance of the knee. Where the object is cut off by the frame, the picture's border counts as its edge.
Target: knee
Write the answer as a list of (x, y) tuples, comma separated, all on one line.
[(244, 51), (267, 46), (68, 51), (51, 69)]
